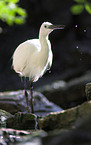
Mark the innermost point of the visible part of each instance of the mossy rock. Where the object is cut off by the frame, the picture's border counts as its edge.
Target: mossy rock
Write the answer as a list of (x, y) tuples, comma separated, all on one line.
[(3, 116), (66, 119), (22, 121)]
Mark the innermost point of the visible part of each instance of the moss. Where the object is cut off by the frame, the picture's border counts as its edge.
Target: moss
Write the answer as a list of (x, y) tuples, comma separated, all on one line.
[(5, 113), (23, 121)]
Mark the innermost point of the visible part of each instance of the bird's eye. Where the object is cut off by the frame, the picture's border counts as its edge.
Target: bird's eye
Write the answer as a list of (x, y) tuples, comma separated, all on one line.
[(45, 26)]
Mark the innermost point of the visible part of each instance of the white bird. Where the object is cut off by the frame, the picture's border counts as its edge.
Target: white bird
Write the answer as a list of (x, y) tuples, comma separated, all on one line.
[(33, 57)]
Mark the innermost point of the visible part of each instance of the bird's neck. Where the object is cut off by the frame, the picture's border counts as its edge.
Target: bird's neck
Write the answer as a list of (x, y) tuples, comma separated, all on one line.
[(44, 52), (44, 43), (43, 37)]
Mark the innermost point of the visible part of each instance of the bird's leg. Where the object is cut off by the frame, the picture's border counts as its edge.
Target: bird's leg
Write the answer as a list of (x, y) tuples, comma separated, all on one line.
[(31, 99), (26, 96)]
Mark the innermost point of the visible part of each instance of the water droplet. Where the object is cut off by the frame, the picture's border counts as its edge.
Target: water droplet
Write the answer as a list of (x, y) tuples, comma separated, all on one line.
[(84, 31), (77, 46), (76, 26)]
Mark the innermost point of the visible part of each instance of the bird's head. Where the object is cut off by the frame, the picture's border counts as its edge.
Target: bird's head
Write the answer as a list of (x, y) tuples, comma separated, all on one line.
[(47, 27)]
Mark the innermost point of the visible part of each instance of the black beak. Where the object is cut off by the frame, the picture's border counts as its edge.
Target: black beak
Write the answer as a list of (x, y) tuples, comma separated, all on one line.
[(56, 27)]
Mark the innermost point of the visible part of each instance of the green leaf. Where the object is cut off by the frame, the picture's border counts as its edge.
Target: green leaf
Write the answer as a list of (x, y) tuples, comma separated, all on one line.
[(10, 20), (11, 13), (19, 20), (13, 1), (80, 1), (21, 11), (77, 9), (88, 8)]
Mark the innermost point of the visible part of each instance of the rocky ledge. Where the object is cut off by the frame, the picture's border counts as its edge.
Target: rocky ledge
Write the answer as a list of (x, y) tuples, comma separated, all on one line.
[(49, 125)]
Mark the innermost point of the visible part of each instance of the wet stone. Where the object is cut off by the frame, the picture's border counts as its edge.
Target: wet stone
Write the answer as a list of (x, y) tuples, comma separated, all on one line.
[(14, 102), (78, 136), (88, 91), (67, 94), (20, 137), (3, 116), (22, 121), (66, 119)]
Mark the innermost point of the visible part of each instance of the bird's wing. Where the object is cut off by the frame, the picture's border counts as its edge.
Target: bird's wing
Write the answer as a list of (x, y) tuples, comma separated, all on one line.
[(35, 44), (23, 52)]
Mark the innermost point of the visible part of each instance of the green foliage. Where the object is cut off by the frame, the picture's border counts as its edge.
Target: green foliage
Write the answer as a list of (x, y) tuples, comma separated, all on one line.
[(77, 9), (11, 13), (88, 8), (80, 6), (80, 1)]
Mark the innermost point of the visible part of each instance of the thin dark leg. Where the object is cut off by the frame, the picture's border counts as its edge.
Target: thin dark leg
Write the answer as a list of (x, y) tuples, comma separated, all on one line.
[(31, 99), (26, 96)]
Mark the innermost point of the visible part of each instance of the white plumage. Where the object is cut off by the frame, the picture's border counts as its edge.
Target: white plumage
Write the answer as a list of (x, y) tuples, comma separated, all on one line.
[(34, 57)]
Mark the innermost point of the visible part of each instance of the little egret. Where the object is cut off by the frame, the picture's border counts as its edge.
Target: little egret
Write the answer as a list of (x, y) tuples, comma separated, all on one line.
[(33, 57)]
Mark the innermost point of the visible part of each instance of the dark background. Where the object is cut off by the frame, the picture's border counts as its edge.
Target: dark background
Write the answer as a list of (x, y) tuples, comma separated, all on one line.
[(71, 47)]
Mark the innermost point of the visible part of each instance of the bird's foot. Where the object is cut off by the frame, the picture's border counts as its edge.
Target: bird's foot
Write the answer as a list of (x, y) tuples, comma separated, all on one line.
[(31, 104), (27, 102)]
